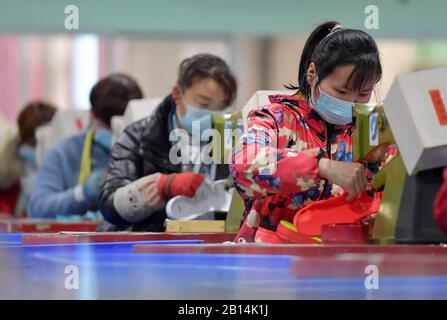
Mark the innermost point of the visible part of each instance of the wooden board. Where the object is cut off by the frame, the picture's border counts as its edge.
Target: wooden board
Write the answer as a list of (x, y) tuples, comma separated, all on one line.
[(195, 226)]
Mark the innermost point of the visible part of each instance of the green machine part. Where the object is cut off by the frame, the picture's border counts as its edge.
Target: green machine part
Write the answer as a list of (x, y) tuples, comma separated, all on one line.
[(372, 131), (234, 216), (230, 128)]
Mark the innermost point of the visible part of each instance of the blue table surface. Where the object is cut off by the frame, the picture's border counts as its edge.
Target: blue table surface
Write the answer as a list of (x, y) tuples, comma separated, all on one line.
[(10, 239), (113, 271)]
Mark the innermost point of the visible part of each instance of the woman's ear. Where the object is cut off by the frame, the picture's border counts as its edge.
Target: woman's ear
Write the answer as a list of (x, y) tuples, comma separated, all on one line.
[(311, 74), (312, 79)]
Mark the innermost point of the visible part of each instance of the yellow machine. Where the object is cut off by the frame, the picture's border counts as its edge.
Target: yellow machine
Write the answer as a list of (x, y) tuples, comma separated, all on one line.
[(230, 128), (372, 133)]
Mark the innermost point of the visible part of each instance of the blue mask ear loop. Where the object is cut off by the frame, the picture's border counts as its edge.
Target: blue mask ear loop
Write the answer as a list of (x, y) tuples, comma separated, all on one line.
[(310, 99), (303, 79)]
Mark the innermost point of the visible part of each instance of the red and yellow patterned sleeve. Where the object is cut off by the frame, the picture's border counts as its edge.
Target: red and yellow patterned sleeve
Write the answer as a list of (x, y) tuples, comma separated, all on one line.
[(259, 168)]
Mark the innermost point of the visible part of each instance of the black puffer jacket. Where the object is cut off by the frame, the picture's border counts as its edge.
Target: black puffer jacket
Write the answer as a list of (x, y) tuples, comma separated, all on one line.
[(142, 149)]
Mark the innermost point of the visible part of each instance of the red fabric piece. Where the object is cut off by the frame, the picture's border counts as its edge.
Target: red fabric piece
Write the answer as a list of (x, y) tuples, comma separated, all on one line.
[(269, 236), (293, 237), (310, 219), (346, 233)]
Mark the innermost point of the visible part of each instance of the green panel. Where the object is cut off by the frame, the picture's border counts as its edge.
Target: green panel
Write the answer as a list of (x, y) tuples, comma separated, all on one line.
[(402, 18), (234, 216), (430, 54), (391, 177), (230, 128)]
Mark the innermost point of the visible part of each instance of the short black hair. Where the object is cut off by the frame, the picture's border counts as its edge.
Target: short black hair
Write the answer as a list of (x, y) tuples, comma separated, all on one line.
[(330, 46), (203, 66), (110, 96)]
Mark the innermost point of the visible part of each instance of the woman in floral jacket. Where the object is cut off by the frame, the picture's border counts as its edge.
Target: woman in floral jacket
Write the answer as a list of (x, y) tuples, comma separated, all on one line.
[(298, 149)]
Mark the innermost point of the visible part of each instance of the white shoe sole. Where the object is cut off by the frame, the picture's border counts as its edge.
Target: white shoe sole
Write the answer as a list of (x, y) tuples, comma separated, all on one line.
[(210, 197)]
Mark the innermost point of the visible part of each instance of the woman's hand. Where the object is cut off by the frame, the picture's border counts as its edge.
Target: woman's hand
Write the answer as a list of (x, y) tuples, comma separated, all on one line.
[(350, 176), (378, 153)]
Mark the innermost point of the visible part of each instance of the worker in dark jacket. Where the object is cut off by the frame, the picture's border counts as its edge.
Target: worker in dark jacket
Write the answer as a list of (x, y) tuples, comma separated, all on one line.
[(145, 171)]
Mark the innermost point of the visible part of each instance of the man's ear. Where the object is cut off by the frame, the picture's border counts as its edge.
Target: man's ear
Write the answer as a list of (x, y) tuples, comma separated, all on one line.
[(176, 95), (97, 123), (92, 119), (176, 92)]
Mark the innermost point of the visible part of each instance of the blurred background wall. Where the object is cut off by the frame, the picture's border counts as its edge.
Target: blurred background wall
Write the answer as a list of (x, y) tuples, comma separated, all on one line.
[(261, 40)]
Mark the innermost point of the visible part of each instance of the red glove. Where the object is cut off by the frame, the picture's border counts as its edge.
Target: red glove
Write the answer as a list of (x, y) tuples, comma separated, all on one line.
[(179, 184)]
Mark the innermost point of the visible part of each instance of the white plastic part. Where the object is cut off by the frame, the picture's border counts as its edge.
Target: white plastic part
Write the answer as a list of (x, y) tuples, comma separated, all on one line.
[(210, 197), (63, 124), (258, 100), (136, 109), (416, 110)]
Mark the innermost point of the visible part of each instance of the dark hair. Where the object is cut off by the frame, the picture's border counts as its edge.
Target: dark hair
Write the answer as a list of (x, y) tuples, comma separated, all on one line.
[(33, 115), (110, 95), (330, 46), (203, 66)]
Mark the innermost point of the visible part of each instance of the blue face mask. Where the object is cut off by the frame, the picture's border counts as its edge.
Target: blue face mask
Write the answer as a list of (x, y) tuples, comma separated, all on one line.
[(199, 119), (103, 137), (28, 155), (333, 110)]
